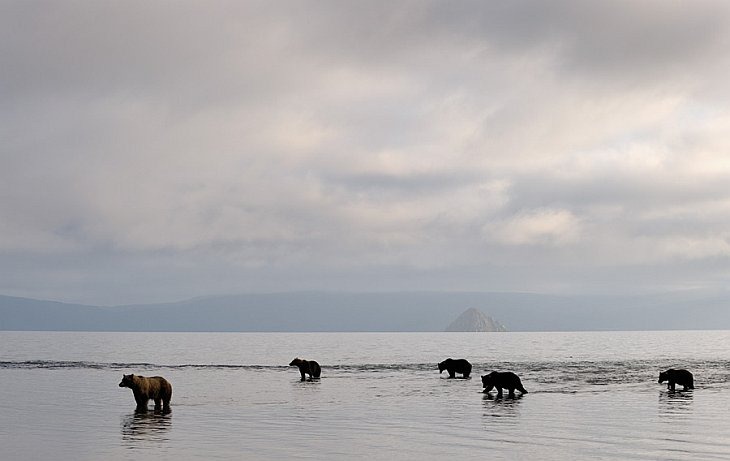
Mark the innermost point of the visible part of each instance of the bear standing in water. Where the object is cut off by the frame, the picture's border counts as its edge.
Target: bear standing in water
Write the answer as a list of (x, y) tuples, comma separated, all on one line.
[(502, 380), (156, 388), (309, 367), (673, 377), (455, 366)]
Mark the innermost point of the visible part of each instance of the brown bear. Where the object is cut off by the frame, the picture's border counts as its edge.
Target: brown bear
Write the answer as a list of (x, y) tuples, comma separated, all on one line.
[(673, 377), (309, 367), (156, 388), (455, 366), (500, 380)]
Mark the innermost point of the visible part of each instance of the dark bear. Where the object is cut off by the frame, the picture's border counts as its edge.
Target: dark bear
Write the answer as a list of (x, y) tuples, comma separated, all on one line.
[(307, 367), (156, 388), (502, 380), (673, 377), (455, 366)]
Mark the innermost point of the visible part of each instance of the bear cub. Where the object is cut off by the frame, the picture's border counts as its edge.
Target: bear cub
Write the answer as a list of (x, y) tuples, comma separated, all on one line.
[(673, 377), (502, 380), (455, 366), (307, 367), (156, 388)]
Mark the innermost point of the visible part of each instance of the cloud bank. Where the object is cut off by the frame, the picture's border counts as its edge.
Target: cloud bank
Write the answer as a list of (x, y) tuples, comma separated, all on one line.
[(159, 150)]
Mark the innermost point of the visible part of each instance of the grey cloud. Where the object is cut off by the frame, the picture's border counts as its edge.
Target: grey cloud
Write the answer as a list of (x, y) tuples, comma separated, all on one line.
[(428, 183), (253, 46), (606, 39), (633, 192)]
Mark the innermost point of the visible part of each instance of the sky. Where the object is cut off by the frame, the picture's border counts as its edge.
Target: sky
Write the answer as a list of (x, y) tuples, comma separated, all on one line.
[(155, 151)]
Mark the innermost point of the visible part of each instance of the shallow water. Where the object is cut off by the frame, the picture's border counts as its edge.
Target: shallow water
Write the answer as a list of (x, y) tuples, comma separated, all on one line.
[(591, 396)]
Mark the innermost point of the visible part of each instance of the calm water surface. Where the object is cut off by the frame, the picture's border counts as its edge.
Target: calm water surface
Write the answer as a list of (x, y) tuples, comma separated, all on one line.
[(591, 396)]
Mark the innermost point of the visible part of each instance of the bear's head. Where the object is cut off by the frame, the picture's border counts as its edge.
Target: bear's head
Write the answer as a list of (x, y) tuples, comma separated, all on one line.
[(488, 381), (127, 381), (444, 365), (296, 362), (663, 376)]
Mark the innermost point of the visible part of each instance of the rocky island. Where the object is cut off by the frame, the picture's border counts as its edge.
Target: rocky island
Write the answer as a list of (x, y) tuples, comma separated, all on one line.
[(475, 320)]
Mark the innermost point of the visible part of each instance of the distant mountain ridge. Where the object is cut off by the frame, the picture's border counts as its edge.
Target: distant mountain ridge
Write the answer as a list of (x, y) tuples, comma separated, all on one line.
[(475, 320), (397, 311)]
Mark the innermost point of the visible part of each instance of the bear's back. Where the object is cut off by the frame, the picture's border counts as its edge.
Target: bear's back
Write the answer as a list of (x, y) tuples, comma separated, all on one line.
[(153, 385)]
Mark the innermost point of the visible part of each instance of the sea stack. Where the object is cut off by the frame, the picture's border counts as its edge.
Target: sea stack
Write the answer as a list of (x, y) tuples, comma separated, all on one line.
[(475, 320)]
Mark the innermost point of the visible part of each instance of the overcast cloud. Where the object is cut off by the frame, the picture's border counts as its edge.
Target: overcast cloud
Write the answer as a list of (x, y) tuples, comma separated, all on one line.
[(161, 150)]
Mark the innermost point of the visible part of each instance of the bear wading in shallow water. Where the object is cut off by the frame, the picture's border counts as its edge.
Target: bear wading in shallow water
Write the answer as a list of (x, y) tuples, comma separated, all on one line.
[(156, 388), (673, 377), (455, 366), (502, 380), (307, 367)]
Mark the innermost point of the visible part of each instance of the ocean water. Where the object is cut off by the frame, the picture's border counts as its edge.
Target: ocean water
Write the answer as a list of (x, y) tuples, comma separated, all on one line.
[(591, 396)]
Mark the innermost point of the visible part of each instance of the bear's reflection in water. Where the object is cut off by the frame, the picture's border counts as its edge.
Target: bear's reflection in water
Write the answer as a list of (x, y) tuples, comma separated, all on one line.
[(504, 408), (146, 426), (507, 399), (675, 404)]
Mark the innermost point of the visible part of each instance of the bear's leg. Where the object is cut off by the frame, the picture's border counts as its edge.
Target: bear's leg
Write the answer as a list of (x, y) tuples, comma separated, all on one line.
[(466, 375), (452, 374), (304, 375), (499, 392), (158, 404), (671, 386), (166, 406), (141, 403)]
